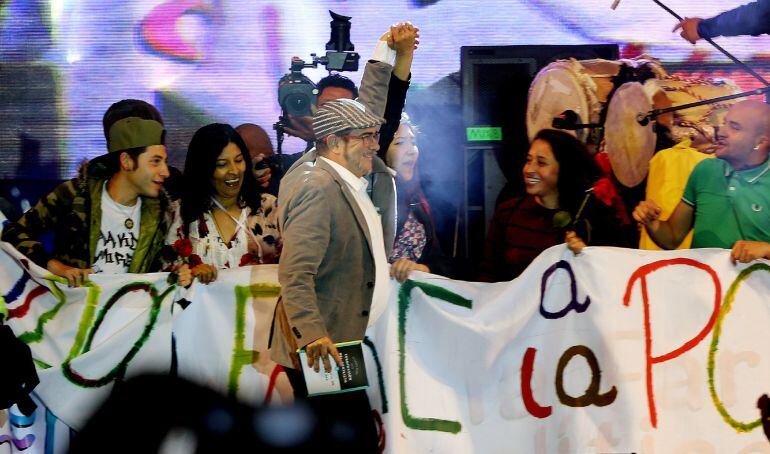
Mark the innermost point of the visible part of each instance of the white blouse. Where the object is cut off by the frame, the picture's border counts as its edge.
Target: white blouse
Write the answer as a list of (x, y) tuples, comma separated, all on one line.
[(239, 250)]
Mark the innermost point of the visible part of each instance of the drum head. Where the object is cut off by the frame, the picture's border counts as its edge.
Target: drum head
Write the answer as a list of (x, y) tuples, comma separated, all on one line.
[(554, 90), (629, 145)]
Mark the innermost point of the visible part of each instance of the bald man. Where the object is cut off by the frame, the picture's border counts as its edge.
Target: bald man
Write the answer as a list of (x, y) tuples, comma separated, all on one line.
[(258, 143), (256, 139), (726, 200)]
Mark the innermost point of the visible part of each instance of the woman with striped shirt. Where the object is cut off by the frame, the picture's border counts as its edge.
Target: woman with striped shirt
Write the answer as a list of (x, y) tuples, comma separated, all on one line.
[(558, 173)]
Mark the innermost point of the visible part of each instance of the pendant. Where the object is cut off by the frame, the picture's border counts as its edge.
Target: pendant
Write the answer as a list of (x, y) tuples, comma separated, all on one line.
[(129, 223)]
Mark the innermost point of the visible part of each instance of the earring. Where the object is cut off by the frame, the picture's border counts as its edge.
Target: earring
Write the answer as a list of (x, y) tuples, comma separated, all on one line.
[(756, 148)]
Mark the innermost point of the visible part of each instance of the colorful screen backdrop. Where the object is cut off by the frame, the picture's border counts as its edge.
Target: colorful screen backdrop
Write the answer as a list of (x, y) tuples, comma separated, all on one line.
[(63, 62)]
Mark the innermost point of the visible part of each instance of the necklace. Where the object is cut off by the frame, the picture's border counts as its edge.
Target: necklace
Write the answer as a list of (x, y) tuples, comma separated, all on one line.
[(128, 223)]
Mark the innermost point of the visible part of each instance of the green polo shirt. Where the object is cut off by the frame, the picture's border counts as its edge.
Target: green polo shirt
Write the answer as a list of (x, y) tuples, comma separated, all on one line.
[(729, 205)]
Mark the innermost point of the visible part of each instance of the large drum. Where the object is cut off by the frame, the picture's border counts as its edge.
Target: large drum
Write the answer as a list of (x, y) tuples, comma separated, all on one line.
[(630, 145), (580, 86), (697, 123)]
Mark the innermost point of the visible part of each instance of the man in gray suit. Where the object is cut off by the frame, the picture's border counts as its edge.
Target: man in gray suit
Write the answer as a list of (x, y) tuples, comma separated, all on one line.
[(333, 270), (390, 64)]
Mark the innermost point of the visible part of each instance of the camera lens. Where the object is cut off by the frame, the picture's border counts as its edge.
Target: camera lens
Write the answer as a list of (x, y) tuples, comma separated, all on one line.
[(297, 102)]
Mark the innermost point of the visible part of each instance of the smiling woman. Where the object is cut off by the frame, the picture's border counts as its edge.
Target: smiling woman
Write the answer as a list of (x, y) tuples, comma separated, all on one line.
[(416, 239), (222, 220), (558, 174)]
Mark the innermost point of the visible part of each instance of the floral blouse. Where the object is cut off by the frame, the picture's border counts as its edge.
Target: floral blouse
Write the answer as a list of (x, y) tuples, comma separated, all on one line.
[(411, 240), (205, 244)]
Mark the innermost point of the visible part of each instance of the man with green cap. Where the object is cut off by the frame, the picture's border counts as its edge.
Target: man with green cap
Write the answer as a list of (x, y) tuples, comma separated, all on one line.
[(109, 219)]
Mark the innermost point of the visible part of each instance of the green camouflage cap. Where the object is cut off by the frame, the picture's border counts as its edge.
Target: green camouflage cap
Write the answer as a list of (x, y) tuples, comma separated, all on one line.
[(135, 132)]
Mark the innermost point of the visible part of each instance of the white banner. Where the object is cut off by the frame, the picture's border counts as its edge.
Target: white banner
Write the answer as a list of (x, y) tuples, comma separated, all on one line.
[(82, 339), (119, 326), (614, 350), (221, 337)]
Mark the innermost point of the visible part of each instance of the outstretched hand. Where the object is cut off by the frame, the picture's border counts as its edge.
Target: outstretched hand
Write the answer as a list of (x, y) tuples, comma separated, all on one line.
[(689, 27)]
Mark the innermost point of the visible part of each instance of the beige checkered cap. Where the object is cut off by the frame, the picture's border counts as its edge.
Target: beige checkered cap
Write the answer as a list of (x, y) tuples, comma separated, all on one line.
[(341, 115)]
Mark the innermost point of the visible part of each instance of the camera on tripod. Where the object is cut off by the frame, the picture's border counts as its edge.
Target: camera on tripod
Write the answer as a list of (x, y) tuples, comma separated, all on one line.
[(296, 92)]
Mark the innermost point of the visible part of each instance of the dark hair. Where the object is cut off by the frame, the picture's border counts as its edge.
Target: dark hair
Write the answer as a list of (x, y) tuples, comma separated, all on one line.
[(386, 140), (577, 169), (109, 164), (204, 149), (173, 184), (339, 81)]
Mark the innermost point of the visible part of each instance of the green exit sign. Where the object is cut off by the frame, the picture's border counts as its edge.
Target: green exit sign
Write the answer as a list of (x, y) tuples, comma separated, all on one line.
[(484, 134)]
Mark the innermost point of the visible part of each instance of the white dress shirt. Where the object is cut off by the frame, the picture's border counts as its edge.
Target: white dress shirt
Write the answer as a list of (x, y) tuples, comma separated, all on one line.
[(358, 187)]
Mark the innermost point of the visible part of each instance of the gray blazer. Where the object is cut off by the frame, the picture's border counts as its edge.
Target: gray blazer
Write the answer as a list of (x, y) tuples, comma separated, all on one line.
[(382, 185), (327, 269), (382, 191)]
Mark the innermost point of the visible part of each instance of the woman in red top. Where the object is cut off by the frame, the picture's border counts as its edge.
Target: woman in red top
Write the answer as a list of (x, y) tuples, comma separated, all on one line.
[(557, 175)]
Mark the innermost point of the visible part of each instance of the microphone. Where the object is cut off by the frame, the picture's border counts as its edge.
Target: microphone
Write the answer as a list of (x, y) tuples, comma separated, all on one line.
[(615, 4), (567, 120), (643, 119)]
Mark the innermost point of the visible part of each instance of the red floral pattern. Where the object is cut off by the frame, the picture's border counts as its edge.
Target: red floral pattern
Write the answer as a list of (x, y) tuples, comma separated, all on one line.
[(183, 247), (603, 161), (240, 250), (249, 259), (604, 190)]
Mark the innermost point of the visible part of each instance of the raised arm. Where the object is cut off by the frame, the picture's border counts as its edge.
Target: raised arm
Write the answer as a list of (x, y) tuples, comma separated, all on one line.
[(387, 59), (750, 19)]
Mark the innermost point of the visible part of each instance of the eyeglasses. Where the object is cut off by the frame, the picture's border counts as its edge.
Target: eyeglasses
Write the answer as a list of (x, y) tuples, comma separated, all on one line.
[(372, 137)]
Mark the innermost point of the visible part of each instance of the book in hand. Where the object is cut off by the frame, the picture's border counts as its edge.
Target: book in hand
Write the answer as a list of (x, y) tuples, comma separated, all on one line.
[(350, 377)]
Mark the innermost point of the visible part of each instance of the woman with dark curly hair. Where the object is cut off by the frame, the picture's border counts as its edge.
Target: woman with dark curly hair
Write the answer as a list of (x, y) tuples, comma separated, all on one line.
[(223, 214), (558, 175)]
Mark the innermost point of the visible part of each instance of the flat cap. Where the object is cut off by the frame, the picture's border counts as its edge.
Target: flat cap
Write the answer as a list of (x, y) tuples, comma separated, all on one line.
[(341, 115)]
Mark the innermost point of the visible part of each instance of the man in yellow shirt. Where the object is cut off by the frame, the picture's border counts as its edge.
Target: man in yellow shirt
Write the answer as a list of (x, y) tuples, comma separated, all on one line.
[(669, 171)]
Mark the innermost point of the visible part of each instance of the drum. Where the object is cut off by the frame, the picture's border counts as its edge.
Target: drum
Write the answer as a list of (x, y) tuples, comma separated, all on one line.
[(631, 145), (580, 86), (697, 123), (628, 144)]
